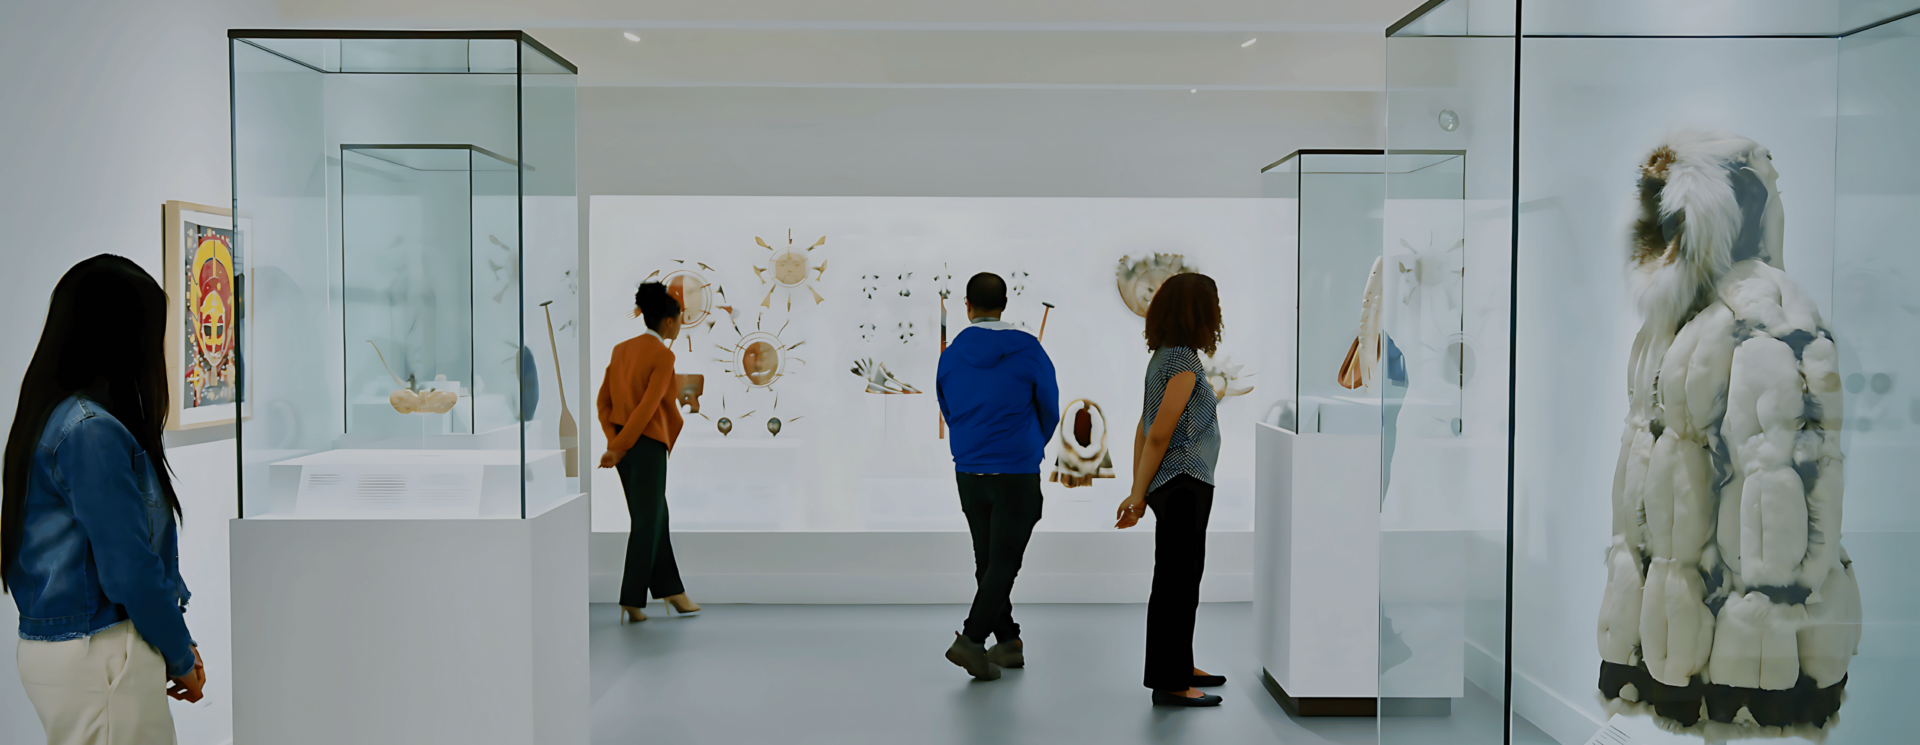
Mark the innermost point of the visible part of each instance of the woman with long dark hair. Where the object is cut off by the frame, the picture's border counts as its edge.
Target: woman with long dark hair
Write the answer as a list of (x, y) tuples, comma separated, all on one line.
[(88, 542), (640, 415), (1175, 448)]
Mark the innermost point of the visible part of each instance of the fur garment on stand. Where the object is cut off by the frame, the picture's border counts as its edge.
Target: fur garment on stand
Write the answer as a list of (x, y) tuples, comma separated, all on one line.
[(1730, 608)]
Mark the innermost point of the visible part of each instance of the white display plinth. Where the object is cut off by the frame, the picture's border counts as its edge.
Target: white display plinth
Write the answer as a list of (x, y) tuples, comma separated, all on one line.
[(1317, 566), (411, 631), (417, 484)]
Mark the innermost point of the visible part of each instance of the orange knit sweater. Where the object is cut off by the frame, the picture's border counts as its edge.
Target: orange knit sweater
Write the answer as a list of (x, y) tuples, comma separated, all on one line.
[(637, 395)]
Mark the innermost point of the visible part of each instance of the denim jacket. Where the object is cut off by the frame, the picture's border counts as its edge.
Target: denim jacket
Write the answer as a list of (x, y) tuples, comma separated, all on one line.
[(99, 545)]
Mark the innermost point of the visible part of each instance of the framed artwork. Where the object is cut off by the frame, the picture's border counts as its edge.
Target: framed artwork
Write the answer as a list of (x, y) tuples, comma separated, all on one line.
[(205, 271)]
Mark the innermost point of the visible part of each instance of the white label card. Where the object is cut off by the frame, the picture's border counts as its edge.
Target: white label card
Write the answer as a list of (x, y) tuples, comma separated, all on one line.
[(1635, 730)]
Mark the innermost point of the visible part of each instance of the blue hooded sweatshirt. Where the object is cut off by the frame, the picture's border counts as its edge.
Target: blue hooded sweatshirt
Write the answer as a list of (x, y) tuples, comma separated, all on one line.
[(997, 392)]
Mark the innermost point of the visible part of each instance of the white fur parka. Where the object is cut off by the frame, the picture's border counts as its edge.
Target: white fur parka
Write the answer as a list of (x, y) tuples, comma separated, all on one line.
[(1728, 594)]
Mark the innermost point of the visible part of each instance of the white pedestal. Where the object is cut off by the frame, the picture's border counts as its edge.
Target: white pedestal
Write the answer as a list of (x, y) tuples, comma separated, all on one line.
[(411, 631), (1317, 564)]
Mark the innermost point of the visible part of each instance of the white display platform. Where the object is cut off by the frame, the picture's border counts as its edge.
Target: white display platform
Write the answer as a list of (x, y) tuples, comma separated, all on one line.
[(416, 484), (1317, 564), (411, 631)]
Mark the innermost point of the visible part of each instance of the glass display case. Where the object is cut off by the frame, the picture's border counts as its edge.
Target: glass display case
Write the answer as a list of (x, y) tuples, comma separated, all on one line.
[(1383, 347), (414, 300), (1691, 300)]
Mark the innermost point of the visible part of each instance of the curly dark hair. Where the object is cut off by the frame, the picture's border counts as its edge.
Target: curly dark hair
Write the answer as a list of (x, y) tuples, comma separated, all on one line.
[(1185, 312), (655, 303)]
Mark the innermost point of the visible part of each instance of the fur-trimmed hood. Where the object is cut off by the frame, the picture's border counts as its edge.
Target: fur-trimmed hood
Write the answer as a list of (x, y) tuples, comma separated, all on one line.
[(1706, 201)]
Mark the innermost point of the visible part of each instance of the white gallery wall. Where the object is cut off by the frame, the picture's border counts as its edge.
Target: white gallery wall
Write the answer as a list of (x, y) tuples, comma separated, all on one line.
[(845, 459), (878, 131)]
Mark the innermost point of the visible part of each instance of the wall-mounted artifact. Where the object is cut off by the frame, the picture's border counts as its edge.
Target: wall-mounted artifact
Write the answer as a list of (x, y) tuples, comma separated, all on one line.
[(788, 269), (1362, 363), (506, 269), (438, 397), (695, 294), (1225, 377), (1016, 283), (759, 358), (688, 389), (1140, 279), (1730, 606), (724, 424), (1083, 446), (205, 276), (880, 379)]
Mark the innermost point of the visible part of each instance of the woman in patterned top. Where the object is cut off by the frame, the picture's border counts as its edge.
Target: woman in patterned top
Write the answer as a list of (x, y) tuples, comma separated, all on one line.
[(1174, 451)]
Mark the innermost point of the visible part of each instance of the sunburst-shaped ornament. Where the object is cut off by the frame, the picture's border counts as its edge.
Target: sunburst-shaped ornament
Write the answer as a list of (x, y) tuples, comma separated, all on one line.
[(695, 294), (759, 358), (1139, 280), (788, 269)]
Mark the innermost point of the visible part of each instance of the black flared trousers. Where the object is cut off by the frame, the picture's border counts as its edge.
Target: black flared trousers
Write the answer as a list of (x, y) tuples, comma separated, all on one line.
[(650, 565), (1001, 510), (1180, 511)]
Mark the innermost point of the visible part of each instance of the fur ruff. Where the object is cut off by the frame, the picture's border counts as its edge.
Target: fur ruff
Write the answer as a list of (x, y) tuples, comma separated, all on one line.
[(1689, 216)]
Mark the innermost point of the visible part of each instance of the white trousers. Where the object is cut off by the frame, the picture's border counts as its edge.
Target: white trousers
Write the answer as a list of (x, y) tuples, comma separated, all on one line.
[(106, 689)]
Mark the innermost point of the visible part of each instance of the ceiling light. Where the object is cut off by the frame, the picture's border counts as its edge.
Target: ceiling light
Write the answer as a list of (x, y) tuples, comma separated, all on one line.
[(631, 36), (1195, 90), (1248, 43)]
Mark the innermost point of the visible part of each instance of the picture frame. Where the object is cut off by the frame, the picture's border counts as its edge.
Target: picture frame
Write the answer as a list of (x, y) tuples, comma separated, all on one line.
[(204, 271)]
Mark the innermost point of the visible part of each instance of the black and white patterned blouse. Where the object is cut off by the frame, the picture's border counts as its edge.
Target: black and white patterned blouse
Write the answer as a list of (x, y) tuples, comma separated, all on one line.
[(1195, 446)]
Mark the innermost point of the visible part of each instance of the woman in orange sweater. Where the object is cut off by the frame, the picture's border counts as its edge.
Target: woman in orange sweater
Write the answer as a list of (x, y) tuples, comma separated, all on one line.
[(640, 415)]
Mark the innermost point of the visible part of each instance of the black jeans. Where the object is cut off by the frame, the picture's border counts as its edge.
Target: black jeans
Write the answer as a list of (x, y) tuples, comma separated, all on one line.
[(1001, 510), (1180, 510), (650, 565)]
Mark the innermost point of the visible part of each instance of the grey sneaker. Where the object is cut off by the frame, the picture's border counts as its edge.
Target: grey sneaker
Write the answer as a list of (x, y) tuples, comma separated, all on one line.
[(972, 656), (1008, 654)]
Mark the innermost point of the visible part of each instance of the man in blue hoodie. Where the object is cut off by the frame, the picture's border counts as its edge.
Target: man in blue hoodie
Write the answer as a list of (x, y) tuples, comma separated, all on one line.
[(997, 393)]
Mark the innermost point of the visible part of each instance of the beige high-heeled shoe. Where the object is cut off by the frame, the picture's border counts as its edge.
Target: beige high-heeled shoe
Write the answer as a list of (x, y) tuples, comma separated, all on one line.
[(630, 614), (673, 608)]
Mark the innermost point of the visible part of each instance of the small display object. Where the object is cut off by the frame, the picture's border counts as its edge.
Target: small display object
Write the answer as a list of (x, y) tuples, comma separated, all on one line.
[(413, 201)]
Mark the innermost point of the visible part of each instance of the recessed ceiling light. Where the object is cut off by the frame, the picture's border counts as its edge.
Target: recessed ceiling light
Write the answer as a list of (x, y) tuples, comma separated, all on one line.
[(631, 36), (1195, 90), (1248, 43)]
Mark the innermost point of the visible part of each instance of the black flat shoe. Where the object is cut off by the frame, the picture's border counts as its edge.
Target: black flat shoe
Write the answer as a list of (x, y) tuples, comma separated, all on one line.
[(1164, 698), (1208, 681)]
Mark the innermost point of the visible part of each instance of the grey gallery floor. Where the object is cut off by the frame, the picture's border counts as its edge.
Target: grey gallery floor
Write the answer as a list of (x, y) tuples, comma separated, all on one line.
[(848, 675)]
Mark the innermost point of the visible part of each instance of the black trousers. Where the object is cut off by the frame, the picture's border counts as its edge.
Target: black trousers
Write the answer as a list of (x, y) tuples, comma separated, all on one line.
[(1001, 510), (650, 565), (1180, 511)]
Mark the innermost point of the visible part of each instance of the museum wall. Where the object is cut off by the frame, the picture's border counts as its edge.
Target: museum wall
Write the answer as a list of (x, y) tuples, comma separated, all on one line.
[(955, 141), (991, 143), (112, 108)]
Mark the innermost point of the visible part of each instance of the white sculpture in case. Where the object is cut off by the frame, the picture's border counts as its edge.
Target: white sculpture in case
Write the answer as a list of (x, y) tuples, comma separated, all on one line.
[(1728, 597)]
